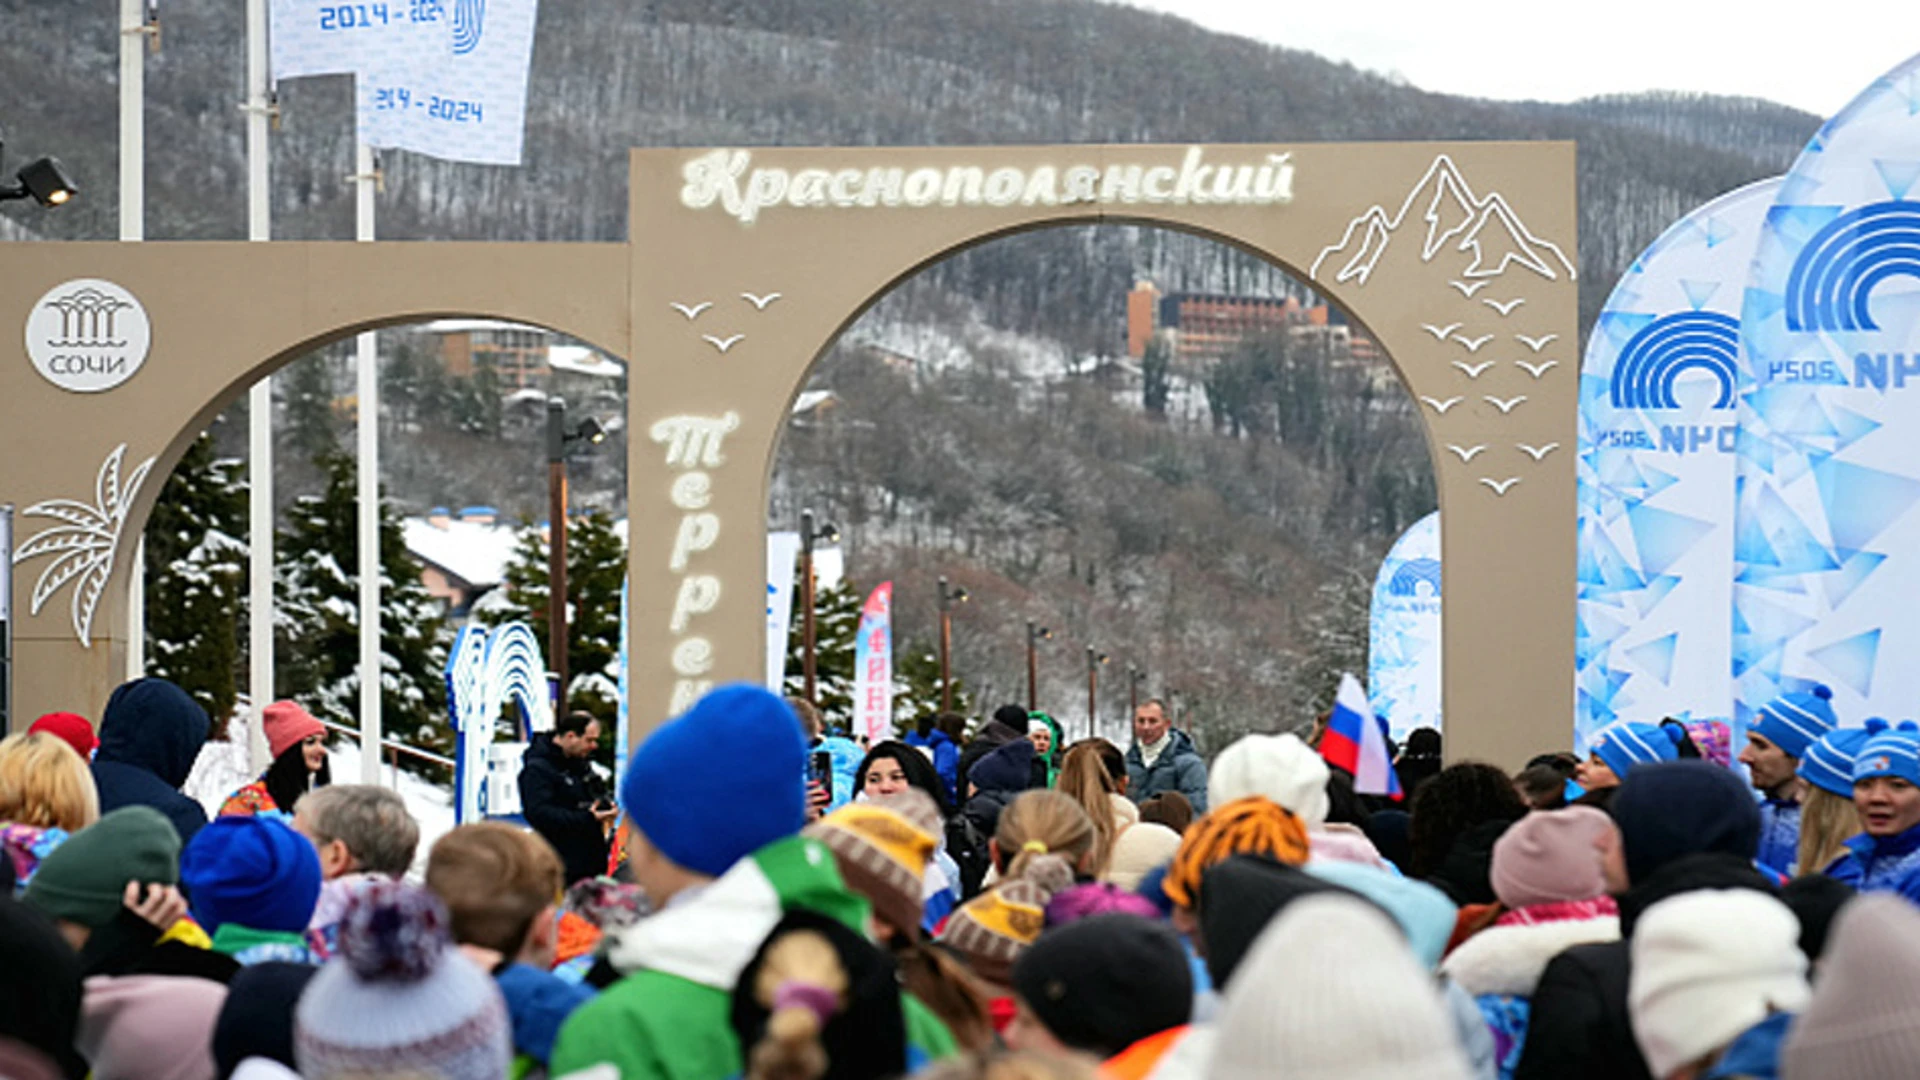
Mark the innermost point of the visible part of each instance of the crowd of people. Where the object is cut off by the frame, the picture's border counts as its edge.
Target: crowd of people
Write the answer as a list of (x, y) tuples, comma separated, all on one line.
[(762, 897)]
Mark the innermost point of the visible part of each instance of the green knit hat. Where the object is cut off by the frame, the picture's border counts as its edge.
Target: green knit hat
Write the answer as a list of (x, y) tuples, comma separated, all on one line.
[(84, 880)]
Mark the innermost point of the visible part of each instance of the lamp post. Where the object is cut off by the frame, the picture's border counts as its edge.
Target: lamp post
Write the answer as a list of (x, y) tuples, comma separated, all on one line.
[(1035, 635), (1094, 660), (1135, 676), (559, 441), (808, 534), (948, 597)]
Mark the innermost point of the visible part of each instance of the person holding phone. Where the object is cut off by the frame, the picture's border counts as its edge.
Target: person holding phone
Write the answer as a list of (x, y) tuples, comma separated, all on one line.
[(564, 800)]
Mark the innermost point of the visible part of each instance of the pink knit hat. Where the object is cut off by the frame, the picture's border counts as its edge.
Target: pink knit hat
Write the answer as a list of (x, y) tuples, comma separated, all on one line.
[(1551, 856), (286, 724)]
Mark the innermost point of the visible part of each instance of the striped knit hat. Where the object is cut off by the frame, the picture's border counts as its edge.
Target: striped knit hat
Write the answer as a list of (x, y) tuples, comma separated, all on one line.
[(991, 930), (1626, 744), (1249, 826), (1828, 761), (1792, 721), (883, 847), (1894, 751)]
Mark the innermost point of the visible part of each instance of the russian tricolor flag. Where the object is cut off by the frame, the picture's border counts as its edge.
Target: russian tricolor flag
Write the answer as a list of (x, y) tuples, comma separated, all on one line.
[(1356, 741)]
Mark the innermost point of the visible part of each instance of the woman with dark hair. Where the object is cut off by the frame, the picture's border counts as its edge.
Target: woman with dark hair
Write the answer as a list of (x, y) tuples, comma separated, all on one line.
[(892, 767), (1454, 820), (298, 744), (1419, 760)]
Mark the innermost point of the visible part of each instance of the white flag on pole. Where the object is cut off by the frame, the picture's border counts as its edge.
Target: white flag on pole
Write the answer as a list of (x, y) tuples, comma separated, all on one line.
[(447, 78), (782, 549)]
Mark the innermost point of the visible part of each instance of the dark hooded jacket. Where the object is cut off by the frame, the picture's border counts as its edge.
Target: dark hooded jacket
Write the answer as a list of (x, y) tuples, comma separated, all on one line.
[(992, 735), (557, 794), (998, 778), (1580, 1027), (1178, 768), (149, 737)]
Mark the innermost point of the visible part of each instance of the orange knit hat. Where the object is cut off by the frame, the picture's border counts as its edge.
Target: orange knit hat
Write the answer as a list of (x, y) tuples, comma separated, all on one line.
[(1249, 826)]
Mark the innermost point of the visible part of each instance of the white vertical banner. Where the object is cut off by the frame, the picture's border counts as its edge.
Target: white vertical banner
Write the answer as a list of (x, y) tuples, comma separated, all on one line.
[(1660, 385), (446, 78), (783, 548), (1403, 637), (1827, 526)]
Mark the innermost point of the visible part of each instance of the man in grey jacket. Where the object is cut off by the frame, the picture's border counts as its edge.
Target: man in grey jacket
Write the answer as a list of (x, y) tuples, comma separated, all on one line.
[(1163, 759)]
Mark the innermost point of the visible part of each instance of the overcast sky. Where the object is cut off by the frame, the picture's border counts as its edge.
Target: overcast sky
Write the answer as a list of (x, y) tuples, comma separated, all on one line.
[(1545, 51)]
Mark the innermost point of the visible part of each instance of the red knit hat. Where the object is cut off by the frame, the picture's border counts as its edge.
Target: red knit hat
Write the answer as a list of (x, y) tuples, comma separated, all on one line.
[(287, 724), (70, 728)]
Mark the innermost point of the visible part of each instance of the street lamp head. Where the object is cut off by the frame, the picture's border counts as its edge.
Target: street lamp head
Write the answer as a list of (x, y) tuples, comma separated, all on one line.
[(960, 596), (45, 181), (591, 431), (830, 533)]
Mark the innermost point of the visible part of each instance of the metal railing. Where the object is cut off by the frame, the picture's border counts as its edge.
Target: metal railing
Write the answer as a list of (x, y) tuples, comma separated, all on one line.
[(394, 749)]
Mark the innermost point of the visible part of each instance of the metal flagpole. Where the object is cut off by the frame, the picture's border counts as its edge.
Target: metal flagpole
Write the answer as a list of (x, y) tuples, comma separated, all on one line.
[(367, 395), (133, 198), (259, 407)]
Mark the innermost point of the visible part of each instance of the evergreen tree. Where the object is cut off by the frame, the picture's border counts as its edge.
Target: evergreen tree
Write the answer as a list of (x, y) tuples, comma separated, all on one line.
[(1153, 377), (916, 686), (836, 626), (596, 567), (317, 637), (306, 393), (196, 564)]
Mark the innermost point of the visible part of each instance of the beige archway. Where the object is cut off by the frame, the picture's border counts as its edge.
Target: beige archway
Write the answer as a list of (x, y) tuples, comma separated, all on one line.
[(743, 266)]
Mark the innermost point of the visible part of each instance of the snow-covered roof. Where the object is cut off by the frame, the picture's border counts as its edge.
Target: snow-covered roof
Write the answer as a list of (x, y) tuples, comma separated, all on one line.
[(582, 360), (475, 553), (810, 400), (469, 326)]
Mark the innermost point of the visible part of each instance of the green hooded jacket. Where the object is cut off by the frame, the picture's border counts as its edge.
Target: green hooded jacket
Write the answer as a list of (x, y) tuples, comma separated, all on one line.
[(669, 1019)]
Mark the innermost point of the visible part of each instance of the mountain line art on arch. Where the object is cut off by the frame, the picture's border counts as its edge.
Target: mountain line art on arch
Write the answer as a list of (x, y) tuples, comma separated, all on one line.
[(1450, 209)]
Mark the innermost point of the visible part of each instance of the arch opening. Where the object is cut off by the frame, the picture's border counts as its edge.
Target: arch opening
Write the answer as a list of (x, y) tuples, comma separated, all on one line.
[(1197, 479)]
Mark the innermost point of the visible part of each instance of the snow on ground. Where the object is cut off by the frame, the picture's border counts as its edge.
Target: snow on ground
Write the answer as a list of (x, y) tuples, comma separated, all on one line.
[(221, 769)]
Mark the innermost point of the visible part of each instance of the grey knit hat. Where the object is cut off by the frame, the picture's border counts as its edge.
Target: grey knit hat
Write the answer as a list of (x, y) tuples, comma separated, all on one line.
[(1864, 1022)]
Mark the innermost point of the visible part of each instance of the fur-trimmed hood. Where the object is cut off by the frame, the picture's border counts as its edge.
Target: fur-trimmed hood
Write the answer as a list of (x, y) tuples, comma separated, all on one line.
[(1510, 959)]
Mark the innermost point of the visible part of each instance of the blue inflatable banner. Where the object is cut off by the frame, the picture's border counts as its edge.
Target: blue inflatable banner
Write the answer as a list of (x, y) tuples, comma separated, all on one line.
[(1658, 389), (1403, 638), (1826, 546)]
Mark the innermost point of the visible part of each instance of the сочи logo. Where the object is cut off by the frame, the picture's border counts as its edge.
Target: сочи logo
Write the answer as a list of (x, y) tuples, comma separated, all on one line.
[(88, 335)]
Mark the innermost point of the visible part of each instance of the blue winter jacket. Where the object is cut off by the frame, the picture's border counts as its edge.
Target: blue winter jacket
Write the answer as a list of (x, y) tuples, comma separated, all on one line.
[(1779, 835), (538, 1002), (149, 737), (1878, 864), (946, 760)]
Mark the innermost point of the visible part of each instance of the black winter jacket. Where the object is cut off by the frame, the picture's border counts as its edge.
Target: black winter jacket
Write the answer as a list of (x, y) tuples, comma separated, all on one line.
[(557, 794), (1580, 1028)]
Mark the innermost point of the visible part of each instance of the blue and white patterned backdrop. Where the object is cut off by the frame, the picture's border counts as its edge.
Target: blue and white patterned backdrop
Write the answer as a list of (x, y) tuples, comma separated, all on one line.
[(1403, 646), (1827, 550), (1658, 389)]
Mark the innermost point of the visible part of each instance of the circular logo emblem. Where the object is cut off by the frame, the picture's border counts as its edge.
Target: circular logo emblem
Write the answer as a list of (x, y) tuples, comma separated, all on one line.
[(88, 335)]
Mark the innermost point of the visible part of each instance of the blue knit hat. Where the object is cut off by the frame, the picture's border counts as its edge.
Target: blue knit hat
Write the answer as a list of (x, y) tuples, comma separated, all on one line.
[(1893, 751), (1792, 721), (720, 782), (253, 872), (1626, 744), (1828, 762)]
